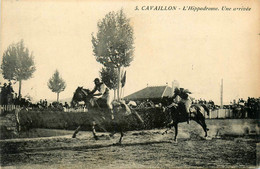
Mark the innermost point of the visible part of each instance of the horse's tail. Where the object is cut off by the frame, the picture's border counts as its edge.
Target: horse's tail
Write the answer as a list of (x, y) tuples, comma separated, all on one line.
[(205, 108)]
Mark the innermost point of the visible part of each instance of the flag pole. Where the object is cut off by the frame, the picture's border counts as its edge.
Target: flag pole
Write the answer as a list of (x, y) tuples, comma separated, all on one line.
[(121, 82), (123, 91)]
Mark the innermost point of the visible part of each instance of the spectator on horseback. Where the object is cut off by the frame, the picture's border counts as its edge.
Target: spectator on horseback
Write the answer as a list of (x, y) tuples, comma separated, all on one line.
[(4, 94), (103, 92), (10, 93), (10, 88), (185, 99)]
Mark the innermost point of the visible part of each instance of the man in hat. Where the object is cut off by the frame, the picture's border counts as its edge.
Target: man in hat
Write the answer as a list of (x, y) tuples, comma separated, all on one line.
[(4, 94), (185, 99), (103, 92), (10, 93)]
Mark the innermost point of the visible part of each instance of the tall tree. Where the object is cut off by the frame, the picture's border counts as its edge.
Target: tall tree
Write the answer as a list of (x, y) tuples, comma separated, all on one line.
[(18, 63), (56, 84), (113, 44)]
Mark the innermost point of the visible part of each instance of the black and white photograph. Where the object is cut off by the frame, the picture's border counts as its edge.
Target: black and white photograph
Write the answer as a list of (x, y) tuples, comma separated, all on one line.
[(129, 84)]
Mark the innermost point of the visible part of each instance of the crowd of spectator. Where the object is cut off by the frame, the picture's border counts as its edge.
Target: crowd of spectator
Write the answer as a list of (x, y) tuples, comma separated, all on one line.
[(53, 106), (42, 103), (211, 105), (251, 106), (8, 96)]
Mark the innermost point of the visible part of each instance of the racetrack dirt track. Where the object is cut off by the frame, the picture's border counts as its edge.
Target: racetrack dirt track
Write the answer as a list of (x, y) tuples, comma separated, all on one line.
[(231, 143)]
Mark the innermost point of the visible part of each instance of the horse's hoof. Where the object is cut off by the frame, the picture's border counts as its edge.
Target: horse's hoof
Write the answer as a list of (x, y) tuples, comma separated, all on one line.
[(208, 138), (174, 141), (118, 143), (112, 134), (96, 138)]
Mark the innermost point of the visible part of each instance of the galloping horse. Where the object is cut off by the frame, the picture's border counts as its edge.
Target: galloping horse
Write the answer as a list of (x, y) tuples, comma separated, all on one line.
[(175, 114), (99, 112)]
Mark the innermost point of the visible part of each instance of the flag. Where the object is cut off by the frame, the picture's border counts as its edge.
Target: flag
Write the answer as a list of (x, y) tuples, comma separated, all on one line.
[(123, 80)]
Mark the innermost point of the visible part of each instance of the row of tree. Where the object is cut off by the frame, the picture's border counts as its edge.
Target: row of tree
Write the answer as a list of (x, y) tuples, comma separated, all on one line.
[(112, 47), (18, 65)]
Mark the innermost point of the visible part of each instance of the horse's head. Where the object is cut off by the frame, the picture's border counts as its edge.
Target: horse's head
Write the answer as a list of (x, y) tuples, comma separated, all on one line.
[(79, 95), (79, 89)]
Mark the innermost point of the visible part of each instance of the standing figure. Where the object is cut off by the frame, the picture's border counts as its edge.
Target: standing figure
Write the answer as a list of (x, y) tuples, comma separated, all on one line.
[(10, 93), (4, 94)]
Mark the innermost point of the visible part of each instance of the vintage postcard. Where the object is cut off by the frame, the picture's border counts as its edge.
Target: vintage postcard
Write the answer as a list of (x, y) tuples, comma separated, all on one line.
[(130, 84)]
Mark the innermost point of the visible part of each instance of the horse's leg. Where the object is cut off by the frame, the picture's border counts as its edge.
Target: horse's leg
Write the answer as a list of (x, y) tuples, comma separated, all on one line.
[(203, 125), (76, 132), (115, 127), (94, 130), (169, 126), (165, 132), (176, 131), (121, 137)]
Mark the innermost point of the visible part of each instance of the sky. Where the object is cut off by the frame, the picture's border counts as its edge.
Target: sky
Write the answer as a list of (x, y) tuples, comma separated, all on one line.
[(197, 49)]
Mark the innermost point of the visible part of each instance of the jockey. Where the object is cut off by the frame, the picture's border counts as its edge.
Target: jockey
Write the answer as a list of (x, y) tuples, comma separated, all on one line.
[(103, 92), (185, 98)]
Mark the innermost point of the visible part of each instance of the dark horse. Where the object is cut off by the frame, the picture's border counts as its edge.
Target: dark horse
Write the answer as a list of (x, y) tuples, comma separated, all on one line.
[(99, 113), (175, 113)]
